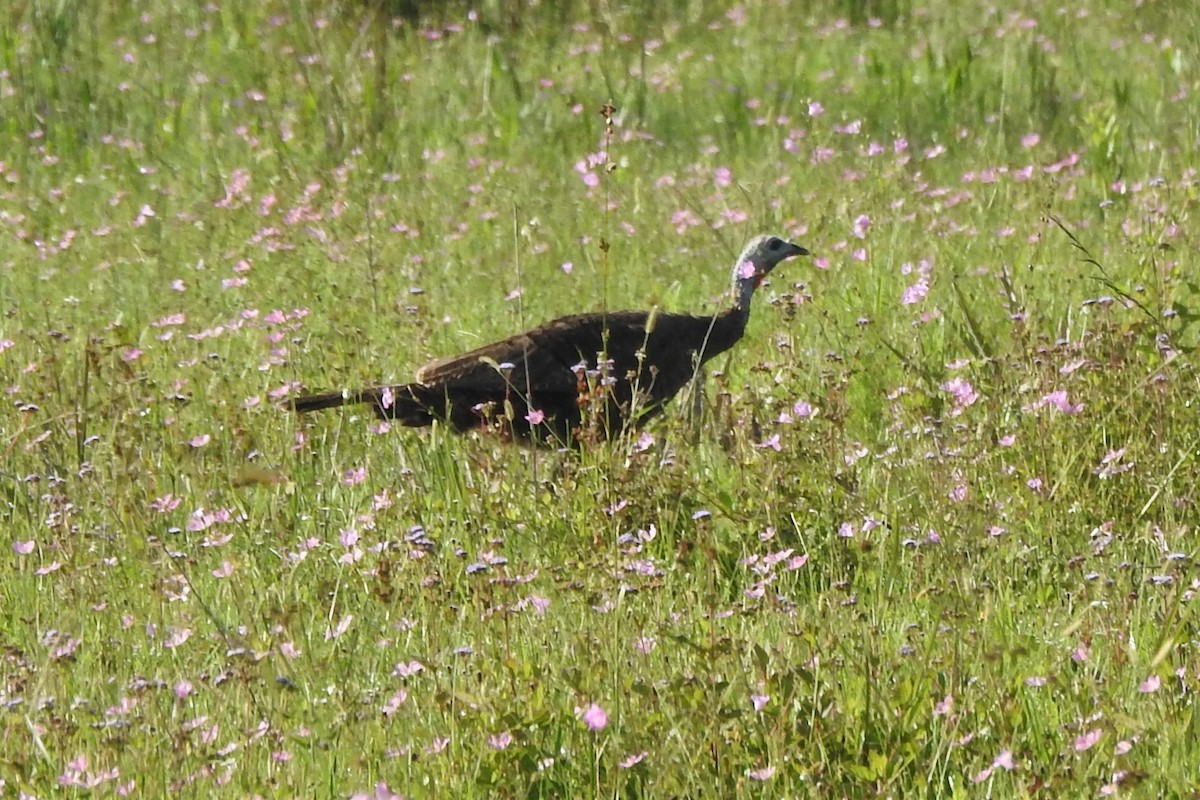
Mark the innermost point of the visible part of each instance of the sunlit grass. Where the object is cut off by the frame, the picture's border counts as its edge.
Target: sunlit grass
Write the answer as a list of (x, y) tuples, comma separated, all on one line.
[(930, 533)]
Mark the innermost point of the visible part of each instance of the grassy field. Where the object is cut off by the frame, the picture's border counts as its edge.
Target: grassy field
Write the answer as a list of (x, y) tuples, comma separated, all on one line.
[(931, 535)]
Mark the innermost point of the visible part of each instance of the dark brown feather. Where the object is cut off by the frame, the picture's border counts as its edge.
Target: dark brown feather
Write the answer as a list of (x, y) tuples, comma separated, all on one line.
[(582, 375), (554, 368)]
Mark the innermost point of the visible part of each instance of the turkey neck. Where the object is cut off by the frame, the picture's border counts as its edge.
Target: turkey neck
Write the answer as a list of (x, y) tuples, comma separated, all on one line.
[(727, 329)]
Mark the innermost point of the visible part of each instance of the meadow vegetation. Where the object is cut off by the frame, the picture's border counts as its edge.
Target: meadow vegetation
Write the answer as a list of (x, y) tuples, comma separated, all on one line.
[(927, 536)]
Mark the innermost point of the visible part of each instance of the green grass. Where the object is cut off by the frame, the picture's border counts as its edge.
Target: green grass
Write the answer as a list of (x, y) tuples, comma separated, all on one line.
[(969, 571)]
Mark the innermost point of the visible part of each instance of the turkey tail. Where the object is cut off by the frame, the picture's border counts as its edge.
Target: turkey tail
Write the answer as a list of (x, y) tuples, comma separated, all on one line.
[(316, 402), (399, 403)]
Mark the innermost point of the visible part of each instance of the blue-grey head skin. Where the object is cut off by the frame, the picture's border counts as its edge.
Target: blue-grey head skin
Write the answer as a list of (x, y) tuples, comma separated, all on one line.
[(756, 261)]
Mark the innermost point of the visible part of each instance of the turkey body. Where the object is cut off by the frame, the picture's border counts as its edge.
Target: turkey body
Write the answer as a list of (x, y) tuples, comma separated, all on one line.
[(576, 377), (587, 373)]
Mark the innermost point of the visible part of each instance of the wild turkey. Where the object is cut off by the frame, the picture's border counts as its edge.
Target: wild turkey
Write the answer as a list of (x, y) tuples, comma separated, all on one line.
[(586, 374)]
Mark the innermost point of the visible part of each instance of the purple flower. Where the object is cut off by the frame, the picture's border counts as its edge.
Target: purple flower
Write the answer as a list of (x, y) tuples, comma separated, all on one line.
[(407, 670), (342, 626), (168, 502), (761, 774), (178, 637), (382, 792), (394, 702), (861, 225), (595, 717), (1057, 399), (964, 394), (772, 442), (982, 775), (915, 293), (1087, 740), (645, 644)]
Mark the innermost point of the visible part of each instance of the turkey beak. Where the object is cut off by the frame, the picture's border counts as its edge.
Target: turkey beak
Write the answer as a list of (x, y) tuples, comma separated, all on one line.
[(796, 250)]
